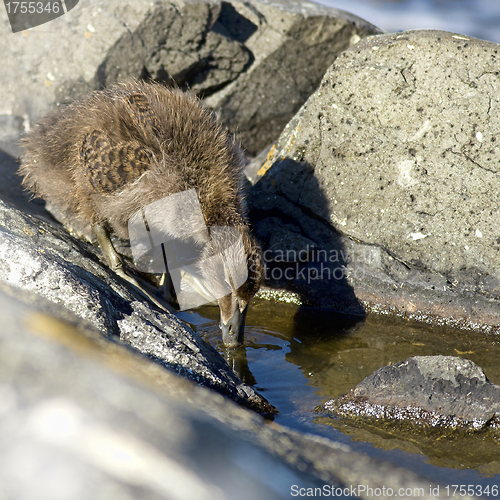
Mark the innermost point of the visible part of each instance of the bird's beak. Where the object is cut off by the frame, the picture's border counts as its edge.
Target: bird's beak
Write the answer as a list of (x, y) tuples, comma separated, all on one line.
[(233, 332)]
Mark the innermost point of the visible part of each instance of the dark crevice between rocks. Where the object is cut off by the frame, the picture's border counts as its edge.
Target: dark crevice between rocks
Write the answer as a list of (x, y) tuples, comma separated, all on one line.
[(232, 24)]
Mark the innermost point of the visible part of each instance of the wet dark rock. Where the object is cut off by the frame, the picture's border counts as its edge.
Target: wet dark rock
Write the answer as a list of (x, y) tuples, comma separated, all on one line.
[(443, 407), (391, 170), (435, 391), (255, 62)]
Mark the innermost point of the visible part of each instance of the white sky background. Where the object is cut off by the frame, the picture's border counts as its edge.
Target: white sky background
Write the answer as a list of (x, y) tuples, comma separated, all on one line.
[(477, 18)]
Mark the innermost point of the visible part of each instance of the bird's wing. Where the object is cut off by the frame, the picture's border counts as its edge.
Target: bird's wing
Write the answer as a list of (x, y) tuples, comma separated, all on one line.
[(141, 111), (109, 168)]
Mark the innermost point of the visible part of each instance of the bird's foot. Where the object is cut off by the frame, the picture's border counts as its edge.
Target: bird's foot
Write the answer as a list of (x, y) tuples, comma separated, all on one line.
[(163, 306)]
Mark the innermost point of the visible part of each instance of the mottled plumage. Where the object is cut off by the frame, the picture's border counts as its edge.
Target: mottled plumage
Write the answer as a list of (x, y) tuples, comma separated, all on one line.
[(109, 168), (103, 158)]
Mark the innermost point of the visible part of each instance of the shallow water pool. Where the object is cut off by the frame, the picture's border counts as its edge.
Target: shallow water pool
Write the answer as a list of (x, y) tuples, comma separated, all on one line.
[(299, 358)]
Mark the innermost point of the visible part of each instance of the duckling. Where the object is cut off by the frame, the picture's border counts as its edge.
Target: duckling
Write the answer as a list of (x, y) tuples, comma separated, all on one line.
[(114, 153)]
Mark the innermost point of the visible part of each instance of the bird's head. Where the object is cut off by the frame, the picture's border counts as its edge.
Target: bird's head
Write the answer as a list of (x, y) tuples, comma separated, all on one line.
[(239, 271), (234, 306)]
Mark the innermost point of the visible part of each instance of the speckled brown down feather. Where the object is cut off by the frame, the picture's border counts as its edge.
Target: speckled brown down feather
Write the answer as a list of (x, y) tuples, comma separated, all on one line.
[(105, 157)]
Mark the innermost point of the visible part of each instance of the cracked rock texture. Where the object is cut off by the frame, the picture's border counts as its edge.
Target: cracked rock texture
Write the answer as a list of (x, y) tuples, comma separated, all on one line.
[(254, 62), (392, 165), (37, 255)]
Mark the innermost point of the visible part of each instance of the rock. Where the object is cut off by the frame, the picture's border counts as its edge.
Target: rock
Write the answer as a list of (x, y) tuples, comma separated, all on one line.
[(391, 169), (254, 62), (75, 400), (89, 418), (442, 407), (11, 127), (39, 256), (444, 391)]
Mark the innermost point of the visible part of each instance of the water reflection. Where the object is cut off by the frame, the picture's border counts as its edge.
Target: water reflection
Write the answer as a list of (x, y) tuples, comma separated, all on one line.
[(236, 358)]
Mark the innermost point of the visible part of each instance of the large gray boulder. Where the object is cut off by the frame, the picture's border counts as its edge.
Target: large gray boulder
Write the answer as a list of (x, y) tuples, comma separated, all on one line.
[(86, 418), (392, 169), (254, 62)]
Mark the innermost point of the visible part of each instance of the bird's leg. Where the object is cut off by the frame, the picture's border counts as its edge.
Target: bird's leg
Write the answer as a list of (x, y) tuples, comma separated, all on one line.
[(166, 284), (167, 289), (116, 264)]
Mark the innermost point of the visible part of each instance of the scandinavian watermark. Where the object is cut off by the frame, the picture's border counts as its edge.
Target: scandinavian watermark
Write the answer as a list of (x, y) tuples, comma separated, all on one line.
[(308, 274), (26, 15), (311, 264)]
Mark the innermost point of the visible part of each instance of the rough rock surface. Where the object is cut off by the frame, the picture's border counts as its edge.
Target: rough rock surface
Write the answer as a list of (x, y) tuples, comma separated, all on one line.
[(85, 418), (442, 407), (392, 166), (437, 391), (66, 387), (39, 256), (256, 62)]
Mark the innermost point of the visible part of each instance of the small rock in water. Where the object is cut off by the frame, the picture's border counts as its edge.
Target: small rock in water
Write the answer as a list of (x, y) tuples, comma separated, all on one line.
[(436, 391)]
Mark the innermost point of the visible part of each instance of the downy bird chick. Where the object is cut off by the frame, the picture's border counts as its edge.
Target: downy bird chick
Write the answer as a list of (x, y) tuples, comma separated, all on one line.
[(114, 153)]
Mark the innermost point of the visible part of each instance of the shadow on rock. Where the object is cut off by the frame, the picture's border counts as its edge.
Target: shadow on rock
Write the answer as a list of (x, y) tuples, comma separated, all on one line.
[(11, 190), (303, 253)]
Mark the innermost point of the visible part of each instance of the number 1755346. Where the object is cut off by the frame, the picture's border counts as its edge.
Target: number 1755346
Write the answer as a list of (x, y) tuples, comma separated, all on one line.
[(33, 7), (461, 490)]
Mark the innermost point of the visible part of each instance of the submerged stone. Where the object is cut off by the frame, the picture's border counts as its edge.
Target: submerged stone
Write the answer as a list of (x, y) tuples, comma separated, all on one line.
[(443, 407)]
